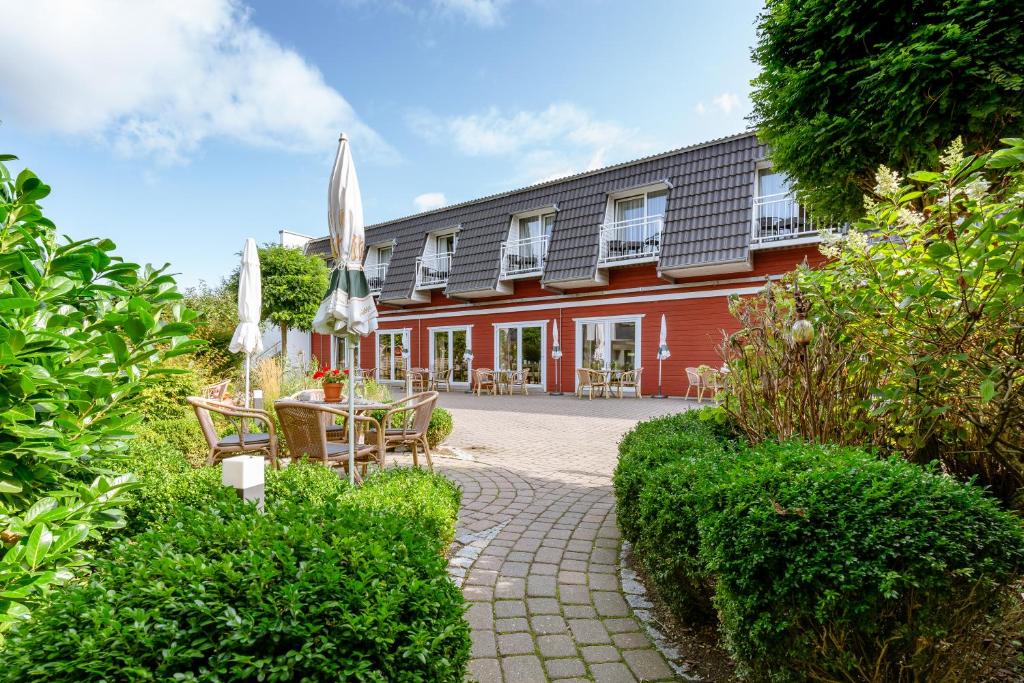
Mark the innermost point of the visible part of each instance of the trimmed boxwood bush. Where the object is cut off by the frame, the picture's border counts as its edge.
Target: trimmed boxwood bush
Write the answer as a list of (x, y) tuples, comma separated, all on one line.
[(441, 426), (427, 500), (183, 434), (328, 592), (822, 563)]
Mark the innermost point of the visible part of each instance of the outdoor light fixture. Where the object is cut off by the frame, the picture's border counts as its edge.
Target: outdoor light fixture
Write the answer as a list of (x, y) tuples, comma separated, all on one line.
[(803, 332), (245, 474)]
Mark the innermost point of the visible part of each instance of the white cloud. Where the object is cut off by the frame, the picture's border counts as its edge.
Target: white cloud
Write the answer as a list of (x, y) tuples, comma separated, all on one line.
[(429, 200), (554, 142), (724, 103), (159, 78), (486, 13)]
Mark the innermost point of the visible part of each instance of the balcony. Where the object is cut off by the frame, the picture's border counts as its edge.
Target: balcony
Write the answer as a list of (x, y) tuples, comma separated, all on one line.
[(524, 257), (779, 217), (629, 241), (375, 277), (432, 271)]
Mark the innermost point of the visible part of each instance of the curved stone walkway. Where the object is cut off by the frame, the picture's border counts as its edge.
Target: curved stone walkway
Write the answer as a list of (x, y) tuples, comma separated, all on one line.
[(538, 545)]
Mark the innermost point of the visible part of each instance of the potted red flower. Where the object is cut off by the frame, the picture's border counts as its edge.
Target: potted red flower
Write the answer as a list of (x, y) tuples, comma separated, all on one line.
[(332, 381)]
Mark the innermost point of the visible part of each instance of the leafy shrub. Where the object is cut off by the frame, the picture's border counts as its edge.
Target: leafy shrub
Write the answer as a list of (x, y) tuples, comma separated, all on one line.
[(427, 500), (182, 434), (326, 592), (304, 483), (823, 563), (165, 398), (82, 334), (218, 317), (441, 426)]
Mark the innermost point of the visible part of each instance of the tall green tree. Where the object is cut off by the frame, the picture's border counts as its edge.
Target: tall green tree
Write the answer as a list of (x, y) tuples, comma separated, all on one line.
[(848, 86), (294, 284)]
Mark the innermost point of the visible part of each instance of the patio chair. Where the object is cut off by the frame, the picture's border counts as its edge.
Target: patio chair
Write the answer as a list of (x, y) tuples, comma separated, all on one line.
[(303, 425), (242, 441), (710, 379), (217, 392), (518, 378), (420, 379), (414, 412), (443, 376), (335, 431), (592, 381), (695, 385), (484, 381), (630, 379)]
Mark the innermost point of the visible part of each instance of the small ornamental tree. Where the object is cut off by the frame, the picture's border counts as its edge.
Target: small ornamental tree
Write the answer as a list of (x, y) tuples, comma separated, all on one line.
[(81, 335), (293, 284), (846, 86)]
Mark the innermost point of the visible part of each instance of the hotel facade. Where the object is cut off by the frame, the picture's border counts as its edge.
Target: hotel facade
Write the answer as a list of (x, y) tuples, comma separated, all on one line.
[(600, 256)]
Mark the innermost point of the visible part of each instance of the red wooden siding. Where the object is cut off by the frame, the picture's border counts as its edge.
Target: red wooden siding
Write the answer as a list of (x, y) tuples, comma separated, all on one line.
[(696, 324)]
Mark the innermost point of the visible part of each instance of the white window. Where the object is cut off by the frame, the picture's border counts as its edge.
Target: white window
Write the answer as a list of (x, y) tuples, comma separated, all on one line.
[(521, 347), (448, 350), (384, 254), (392, 345), (642, 207), (608, 343), (339, 347)]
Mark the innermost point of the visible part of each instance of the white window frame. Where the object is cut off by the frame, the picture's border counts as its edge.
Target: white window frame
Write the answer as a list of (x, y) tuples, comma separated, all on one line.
[(468, 329), (609, 320), (337, 362), (543, 325), (406, 333)]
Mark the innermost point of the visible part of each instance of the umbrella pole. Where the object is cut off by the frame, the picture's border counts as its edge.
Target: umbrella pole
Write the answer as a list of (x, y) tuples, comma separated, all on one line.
[(660, 394), (247, 357), (351, 414)]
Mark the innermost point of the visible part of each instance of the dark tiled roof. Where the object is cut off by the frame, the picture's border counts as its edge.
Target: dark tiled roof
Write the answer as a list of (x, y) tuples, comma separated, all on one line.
[(707, 219)]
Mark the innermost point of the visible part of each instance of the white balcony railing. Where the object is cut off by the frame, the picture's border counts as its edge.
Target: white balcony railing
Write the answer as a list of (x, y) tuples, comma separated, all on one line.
[(636, 239), (432, 271), (524, 256), (375, 276), (779, 217)]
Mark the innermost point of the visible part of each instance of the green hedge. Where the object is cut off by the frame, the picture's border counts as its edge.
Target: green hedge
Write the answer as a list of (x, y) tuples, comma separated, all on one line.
[(182, 434), (427, 500), (822, 563), (441, 426), (328, 592)]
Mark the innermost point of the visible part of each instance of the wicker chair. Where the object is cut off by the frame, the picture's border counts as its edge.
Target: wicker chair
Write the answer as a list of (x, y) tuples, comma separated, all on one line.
[(241, 442), (518, 378), (630, 379), (420, 379), (414, 413), (710, 379), (335, 432), (592, 381), (304, 427), (695, 384), (442, 377), (221, 391), (483, 380)]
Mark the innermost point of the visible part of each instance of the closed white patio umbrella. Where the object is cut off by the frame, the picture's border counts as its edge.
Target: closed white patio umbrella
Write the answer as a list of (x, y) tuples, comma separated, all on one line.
[(556, 354), (663, 352), (348, 309), (599, 343), (247, 338)]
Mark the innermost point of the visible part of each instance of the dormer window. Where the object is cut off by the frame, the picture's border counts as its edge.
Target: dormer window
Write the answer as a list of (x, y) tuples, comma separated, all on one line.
[(434, 266), (378, 256), (523, 253), (777, 215), (633, 232)]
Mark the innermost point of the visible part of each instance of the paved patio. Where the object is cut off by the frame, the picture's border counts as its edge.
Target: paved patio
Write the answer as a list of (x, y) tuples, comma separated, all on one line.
[(540, 560)]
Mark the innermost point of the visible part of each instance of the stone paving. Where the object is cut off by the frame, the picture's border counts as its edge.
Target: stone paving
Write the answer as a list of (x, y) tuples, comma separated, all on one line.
[(539, 546)]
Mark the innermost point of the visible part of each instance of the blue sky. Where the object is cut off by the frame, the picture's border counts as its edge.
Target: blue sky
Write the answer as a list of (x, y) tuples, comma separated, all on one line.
[(180, 128)]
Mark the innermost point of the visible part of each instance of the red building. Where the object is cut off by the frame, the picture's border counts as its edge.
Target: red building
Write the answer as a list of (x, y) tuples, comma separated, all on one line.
[(673, 234)]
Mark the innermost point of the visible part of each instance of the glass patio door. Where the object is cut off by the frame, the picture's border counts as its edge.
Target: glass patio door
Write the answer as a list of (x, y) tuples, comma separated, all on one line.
[(338, 357), (612, 347), (390, 360), (521, 347), (447, 348)]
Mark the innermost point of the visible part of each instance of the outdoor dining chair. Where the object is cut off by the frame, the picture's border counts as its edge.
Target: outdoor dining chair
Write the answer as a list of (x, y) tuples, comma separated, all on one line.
[(241, 442), (695, 385), (484, 381), (335, 431), (304, 427), (217, 392), (442, 377), (413, 414), (420, 379), (629, 380), (592, 381), (518, 378), (710, 380)]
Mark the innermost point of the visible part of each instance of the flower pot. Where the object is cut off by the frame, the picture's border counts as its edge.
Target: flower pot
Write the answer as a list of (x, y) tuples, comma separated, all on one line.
[(332, 392)]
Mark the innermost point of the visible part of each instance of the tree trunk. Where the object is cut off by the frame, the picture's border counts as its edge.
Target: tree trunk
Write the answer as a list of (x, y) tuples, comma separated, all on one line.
[(284, 346)]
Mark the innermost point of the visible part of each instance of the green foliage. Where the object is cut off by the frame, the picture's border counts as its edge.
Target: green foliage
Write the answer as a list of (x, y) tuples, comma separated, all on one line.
[(429, 501), (218, 317), (164, 398), (441, 426), (934, 303), (326, 592), (823, 563), (82, 334), (304, 483), (847, 86), (182, 434)]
